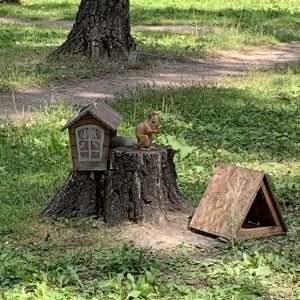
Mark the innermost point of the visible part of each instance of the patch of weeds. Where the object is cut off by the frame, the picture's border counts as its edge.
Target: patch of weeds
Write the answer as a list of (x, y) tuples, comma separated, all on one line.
[(29, 154), (35, 269), (244, 277), (131, 287), (130, 259)]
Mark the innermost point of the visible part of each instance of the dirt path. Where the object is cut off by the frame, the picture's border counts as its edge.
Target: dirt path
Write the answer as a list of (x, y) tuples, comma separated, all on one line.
[(164, 74)]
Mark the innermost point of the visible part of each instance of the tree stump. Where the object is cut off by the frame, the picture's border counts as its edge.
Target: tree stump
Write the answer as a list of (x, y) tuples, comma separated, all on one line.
[(138, 186)]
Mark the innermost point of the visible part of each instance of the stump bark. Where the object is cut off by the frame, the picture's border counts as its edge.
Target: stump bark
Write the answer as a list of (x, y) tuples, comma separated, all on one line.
[(101, 27), (139, 186)]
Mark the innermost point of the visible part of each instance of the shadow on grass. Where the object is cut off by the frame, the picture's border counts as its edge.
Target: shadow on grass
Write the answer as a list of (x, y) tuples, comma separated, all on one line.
[(280, 24), (65, 10), (229, 118), (226, 125), (25, 62)]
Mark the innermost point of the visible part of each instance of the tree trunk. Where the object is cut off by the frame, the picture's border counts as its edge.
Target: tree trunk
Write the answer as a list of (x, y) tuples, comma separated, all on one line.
[(139, 186), (10, 1), (101, 27)]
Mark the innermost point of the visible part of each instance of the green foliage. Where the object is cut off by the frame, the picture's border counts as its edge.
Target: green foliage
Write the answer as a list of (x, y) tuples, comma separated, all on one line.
[(128, 259), (243, 122), (250, 121), (259, 15), (38, 270), (243, 14), (218, 26), (29, 155), (24, 58), (41, 10)]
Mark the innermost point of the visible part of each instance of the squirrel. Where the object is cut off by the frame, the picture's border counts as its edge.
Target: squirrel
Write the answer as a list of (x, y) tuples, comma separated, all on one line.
[(144, 134), (145, 130)]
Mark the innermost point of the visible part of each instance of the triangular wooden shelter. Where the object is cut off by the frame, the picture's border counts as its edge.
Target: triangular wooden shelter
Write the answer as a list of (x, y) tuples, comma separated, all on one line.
[(238, 202)]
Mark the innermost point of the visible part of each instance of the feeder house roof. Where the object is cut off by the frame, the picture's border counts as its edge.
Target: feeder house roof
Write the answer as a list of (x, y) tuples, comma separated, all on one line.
[(100, 111)]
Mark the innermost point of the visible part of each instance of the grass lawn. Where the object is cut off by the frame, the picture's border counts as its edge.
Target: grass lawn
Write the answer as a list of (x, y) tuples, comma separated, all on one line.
[(196, 12), (234, 25), (232, 122), (251, 121)]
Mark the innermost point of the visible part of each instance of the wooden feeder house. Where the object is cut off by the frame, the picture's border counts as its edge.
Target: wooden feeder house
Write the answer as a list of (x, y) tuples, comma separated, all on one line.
[(90, 132), (238, 202)]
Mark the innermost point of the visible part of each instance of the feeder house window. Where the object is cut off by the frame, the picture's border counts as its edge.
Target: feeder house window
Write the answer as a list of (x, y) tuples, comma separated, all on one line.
[(89, 139)]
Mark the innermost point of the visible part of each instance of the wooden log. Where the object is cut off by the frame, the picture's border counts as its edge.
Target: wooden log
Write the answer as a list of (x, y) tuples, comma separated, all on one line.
[(139, 186)]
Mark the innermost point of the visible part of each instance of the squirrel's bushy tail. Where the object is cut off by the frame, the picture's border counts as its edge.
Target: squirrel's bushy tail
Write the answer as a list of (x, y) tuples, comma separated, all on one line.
[(122, 141)]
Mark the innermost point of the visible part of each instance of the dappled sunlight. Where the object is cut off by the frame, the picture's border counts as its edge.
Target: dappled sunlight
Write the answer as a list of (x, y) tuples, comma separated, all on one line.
[(218, 99)]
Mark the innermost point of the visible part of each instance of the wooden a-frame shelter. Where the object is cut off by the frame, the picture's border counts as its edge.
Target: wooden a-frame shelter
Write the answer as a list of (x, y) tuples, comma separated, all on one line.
[(238, 202)]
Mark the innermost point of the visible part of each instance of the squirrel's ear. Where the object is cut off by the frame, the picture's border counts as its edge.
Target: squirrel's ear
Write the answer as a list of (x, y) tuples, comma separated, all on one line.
[(151, 115)]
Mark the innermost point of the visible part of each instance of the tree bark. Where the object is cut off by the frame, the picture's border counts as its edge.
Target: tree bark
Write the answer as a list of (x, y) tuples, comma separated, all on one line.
[(101, 27), (10, 1), (140, 186)]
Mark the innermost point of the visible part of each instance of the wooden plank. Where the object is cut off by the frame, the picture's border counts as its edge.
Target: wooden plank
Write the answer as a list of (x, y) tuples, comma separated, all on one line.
[(267, 190), (260, 231), (74, 153), (85, 122), (226, 200), (106, 142), (272, 208), (72, 139), (90, 166), (88, 117)]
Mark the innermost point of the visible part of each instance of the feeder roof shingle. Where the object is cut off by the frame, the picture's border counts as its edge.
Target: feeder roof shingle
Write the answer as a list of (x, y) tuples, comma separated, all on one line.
[(100, 111)]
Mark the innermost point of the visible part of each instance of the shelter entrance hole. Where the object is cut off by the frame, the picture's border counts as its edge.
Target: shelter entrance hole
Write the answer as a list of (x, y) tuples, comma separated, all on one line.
[(259, 214)]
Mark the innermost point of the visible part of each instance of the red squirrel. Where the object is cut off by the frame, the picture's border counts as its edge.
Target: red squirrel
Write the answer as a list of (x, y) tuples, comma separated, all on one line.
[(144, 132)]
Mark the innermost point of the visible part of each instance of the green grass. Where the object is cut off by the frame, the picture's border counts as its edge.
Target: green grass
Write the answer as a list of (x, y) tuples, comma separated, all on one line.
[(30, 153), (24, 58), (198, 44), (41, 10), (234, 25), (25, 49), (218, 13), (243, 273), (250, 121), (277, 19)]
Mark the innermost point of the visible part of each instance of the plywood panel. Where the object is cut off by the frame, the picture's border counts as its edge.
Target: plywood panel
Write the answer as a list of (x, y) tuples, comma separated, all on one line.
[(234, 197), (259, 232), (273, 205), (226, 200)]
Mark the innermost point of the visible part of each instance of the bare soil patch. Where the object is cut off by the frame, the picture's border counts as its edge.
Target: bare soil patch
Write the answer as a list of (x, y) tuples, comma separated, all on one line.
[(170, 237)]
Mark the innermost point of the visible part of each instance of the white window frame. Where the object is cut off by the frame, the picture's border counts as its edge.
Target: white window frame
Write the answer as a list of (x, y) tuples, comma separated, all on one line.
[(89, 138)]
